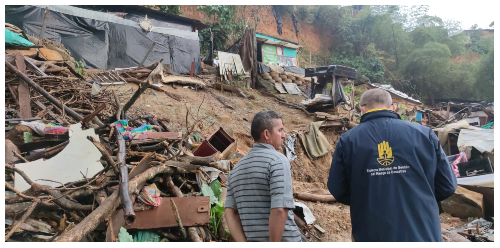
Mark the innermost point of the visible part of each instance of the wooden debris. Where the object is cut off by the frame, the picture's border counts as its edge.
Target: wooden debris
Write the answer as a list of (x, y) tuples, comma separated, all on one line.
[(313, 197)]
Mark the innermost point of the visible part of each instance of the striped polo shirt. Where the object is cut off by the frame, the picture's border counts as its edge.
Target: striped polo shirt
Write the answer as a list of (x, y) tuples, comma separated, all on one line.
[(260, 181)]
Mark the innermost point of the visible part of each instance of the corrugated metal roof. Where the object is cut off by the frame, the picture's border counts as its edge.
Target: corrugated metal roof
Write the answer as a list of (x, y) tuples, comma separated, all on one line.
[(390, 89)]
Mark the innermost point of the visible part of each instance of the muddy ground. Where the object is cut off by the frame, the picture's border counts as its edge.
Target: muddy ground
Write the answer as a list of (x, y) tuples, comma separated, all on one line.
[(309, 175)]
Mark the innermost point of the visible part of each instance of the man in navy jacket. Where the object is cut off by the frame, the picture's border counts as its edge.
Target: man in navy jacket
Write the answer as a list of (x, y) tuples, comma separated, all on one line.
[(392, 173)]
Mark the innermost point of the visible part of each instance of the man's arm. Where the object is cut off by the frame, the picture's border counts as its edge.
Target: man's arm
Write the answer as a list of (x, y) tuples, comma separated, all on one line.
[(277, 221), (280, 184), (337, 180), (234, 224), (445, 181)]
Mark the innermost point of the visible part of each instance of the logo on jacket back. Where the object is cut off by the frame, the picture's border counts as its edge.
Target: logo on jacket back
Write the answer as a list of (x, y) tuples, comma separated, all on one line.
[(385, 157)]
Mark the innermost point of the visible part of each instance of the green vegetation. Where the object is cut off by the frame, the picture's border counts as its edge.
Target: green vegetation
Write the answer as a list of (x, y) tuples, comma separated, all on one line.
[(223, 27), (214, 190), (172, 9), (405, 47), (80, 68), (424, 56)]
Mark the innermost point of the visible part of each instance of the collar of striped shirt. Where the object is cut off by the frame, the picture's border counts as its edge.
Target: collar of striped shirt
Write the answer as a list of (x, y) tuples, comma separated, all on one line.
[(263, 145)]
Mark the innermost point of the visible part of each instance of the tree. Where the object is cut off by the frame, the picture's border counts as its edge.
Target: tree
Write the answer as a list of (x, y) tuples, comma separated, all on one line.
[(428, 65), (485, 78)]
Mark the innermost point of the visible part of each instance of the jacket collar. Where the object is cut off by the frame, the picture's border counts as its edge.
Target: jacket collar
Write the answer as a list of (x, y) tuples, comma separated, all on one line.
[(374, 114)]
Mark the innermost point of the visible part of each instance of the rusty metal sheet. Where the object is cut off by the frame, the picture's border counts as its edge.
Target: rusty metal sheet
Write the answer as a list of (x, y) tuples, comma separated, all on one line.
[(23, 89), (218, 141), (193, 211)]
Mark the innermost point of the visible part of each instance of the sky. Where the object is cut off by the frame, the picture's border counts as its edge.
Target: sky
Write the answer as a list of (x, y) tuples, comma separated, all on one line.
[(465, 12)]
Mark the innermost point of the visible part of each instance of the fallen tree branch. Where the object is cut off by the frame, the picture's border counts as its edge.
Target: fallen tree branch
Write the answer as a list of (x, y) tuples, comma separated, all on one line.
[(142, 87), (128, 205), (118, 105), (139, 82), (104, 153), (44, 93), (198, 160), (178, 218), (313, 197), (59, 198), (193, 234), (220, 100), (161, 145)]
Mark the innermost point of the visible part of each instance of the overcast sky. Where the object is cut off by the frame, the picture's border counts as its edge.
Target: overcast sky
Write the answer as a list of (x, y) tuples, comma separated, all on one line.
[(466, 12)]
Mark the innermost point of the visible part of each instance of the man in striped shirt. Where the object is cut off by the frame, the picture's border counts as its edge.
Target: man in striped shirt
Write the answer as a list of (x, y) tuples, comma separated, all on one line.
[(259, 203)]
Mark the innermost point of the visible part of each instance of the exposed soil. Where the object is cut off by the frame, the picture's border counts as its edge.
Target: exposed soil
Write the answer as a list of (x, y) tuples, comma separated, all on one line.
[(309, 36)]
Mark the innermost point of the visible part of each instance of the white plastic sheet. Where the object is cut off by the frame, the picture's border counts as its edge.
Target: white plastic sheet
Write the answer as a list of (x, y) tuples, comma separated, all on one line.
[(80, 155), (481, 139), (308, 216)]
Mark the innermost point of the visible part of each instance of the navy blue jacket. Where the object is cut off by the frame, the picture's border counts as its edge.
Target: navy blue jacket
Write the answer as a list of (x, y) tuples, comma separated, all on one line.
[(392, 173)]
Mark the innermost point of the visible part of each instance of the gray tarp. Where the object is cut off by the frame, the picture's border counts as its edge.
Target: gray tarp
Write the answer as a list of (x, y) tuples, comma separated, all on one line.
[(104, 41)]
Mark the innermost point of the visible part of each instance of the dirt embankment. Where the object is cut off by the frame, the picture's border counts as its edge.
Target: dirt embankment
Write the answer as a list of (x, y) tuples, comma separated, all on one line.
[(310, 37)]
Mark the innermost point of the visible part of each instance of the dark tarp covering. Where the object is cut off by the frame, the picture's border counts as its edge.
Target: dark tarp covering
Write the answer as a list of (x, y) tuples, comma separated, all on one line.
[(296, 25), (277, 16), (107, 45), (263, 68), (339, 93), (247, 49), (297, 70)]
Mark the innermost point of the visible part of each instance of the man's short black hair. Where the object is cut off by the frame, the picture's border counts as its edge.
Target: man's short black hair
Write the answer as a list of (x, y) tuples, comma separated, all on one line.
[(262, 121)]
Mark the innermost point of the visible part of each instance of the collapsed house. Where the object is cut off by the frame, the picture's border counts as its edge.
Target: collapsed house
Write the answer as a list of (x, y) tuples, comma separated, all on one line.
[(106, 40)]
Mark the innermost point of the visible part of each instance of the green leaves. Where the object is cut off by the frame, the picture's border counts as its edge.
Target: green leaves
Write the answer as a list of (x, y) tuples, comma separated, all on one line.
[(207, 191), (216, 213), (213, 190), (123, 236), (216, 188)]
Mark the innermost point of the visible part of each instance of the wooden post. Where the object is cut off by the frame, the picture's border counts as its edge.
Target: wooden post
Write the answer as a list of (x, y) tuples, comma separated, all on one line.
[(255, 63), (353, 104), (23, 90), (192, 69), (44, 26), (147, 54), (447, 112)]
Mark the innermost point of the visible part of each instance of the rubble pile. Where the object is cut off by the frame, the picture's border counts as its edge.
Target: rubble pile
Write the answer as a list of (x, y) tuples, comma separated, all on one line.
[(79, 168)]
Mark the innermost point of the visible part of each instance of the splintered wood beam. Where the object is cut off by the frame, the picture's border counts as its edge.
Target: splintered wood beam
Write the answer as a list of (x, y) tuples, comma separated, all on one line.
[(23, 89)]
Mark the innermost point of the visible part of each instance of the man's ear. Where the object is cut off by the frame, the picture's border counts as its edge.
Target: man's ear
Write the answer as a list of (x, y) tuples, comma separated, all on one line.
[(267, 134), (393, 108)]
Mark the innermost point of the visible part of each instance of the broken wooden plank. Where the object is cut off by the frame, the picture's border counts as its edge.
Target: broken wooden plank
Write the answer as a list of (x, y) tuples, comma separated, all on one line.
[(313, 197), (139, 82), (91, 116), (23, 89), (156, 137), (54, 116)]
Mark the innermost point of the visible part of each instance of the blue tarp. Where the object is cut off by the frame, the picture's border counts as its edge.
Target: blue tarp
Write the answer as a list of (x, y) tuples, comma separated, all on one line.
[(15, 39)]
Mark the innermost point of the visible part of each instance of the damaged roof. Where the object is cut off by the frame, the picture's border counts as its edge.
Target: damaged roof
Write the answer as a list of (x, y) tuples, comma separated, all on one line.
[(390, 89), (274, 41)]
